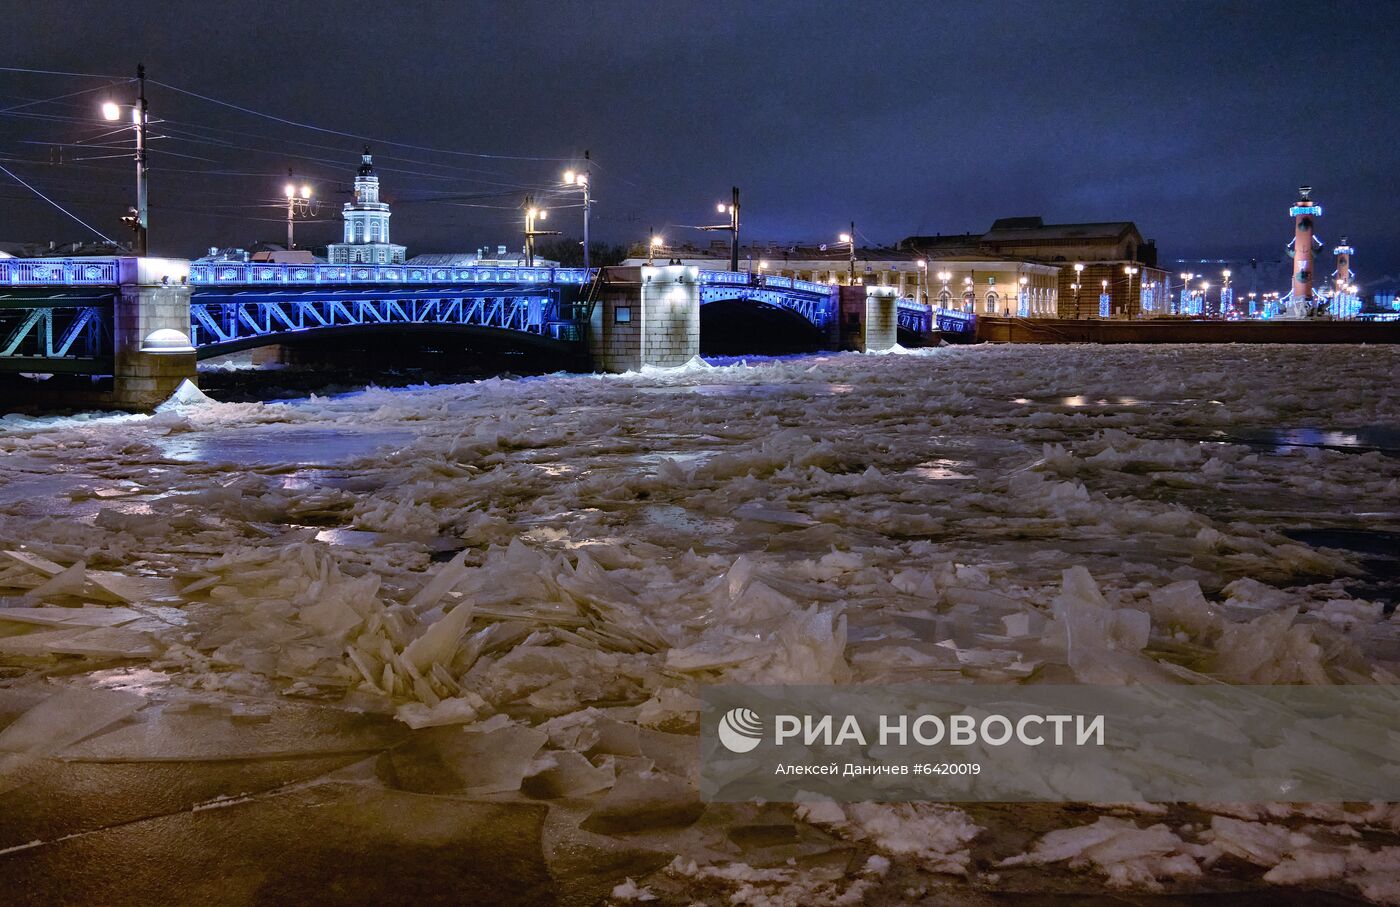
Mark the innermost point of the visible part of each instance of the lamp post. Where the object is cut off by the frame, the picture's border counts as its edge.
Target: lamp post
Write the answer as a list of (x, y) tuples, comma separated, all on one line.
[(1186, 278), (1077, 285), (653, 244), (1130, 270), (581, 181), (850, 240), (967, 288), (919, 276), (732, 209), (112, 111), (944, 277), (298, 202), (533, 214)]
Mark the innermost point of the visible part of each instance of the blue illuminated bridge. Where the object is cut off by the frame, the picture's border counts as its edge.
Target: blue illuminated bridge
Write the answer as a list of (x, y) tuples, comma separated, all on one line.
[(57, 314)]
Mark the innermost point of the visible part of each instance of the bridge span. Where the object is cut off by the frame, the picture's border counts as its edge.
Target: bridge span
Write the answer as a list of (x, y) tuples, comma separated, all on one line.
[(146, 321)]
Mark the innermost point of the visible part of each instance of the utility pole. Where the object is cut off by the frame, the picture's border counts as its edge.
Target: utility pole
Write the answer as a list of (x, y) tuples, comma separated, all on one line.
[(587, 203), (142, 219), (733, 227), (582, 180), (531, 215), (852, 280), (734, 231)]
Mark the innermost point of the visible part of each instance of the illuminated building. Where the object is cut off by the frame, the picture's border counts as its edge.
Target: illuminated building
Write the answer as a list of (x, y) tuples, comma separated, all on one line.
[(366, 224)]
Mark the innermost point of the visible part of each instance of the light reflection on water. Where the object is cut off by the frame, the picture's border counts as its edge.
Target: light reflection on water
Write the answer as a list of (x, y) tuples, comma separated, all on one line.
[(279, 446), (1381, 438), (809, 389)]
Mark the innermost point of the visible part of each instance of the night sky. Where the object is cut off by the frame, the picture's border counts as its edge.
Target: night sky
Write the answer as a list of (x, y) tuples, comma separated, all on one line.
[(1196, 120)]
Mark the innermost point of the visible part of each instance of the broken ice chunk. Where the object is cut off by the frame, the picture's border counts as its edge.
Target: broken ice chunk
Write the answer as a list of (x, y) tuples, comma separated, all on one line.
[(565, 774), (58, 722)]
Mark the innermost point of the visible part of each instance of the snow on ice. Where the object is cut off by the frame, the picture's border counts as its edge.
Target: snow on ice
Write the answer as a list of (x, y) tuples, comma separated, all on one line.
[(515, 589)]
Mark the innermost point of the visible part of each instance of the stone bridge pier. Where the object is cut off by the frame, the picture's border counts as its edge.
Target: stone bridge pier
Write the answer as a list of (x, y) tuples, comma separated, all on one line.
[(151, 350), (869, 318), (646, 316)]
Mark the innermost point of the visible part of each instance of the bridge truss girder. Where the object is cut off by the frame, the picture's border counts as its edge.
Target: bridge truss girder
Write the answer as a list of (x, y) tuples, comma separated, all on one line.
[(218, 319), (37, 329)]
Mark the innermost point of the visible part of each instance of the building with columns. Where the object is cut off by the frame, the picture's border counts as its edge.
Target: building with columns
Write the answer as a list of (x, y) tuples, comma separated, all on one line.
[(1106, 266), (984, 284), (366, 238)]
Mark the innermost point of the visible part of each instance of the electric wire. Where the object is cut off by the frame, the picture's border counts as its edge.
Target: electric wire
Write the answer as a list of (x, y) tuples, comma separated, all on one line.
[(70, 214)]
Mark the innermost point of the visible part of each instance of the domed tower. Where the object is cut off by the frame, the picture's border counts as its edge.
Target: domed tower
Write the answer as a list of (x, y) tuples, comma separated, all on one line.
[(366, 239)]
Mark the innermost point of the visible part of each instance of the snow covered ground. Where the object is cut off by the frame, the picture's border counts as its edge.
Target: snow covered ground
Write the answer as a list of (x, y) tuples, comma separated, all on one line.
[(394, 627)]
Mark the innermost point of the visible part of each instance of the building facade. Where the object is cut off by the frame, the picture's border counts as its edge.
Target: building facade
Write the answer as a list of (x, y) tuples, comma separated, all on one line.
[(1104, 270), (985, 285), (366, 239)]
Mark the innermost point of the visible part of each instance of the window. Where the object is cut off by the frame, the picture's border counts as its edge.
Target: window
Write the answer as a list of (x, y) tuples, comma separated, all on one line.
[(622, 314)]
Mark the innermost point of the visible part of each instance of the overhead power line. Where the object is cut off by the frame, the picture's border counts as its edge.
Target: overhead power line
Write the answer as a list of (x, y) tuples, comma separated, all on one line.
[(75, 217), (351, 135)]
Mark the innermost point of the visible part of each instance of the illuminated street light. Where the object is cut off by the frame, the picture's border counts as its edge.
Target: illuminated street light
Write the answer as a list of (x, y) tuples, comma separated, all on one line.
[(850, 240), (919, 277), (580, 180), (112, 111), (533, 214), (1077, 286), (732, 209), (652, 245), (298, 203)]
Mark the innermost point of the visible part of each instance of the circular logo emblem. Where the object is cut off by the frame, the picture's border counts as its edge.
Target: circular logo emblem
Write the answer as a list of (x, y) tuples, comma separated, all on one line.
[(740, 730)]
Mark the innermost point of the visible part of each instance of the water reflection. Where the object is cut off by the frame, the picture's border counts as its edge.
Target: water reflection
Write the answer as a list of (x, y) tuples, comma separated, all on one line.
[(279, 446), (1382, 438), (811, 389)]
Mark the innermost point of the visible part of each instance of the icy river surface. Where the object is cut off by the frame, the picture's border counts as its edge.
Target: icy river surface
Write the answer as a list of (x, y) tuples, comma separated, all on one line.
[(442, 644)]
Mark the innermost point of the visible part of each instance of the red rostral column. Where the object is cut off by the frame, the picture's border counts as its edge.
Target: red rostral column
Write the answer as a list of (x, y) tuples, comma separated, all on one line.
[(1303, 213), (1343, 253)]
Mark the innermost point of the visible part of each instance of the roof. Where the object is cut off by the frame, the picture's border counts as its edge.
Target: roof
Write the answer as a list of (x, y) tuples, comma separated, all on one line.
[(1011, 229)]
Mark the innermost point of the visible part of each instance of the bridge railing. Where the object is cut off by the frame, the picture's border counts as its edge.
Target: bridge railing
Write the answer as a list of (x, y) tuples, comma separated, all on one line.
[(772, 281), (263, 273), (21, 272), (955, 320)]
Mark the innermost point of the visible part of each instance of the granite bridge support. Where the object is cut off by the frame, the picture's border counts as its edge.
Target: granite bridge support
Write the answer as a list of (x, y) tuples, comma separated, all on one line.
[(151, 350), (646, 316)]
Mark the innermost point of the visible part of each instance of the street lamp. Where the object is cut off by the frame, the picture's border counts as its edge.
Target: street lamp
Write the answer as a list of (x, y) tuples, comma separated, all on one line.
[(112, 111), (652, 245), (1078, 283), (919, 276), (732, 209), (298, 203), (581, 182), (1186, 278), (850, 240), (1130, 270), (532, 215)]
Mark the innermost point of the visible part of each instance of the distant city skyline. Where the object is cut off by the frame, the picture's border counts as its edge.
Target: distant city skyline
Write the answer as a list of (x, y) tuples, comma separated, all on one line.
[(1196, 121)]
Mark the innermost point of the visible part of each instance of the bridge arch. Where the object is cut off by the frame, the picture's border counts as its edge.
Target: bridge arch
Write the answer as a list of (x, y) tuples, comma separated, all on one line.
[(735, 325)]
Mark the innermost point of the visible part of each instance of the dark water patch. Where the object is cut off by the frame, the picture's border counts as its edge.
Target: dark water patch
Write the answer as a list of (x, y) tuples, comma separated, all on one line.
[(1377, 553), (1383, 439)]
